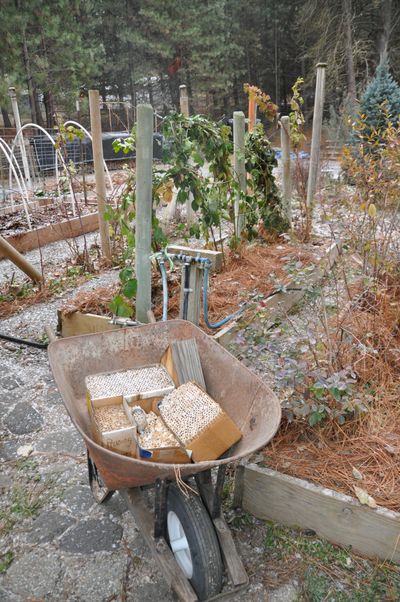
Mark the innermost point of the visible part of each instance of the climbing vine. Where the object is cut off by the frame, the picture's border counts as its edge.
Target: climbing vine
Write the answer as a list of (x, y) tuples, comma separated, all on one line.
[(198, 153)]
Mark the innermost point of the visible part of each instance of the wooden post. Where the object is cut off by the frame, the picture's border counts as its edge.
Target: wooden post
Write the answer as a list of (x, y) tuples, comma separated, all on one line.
[(184, 107), (21, 143), (144, 207), (315, 143), (239, 164), (97, 146), (195, 278), (20, 261), (184, 100), (287, 178), (252, 113), (194, 301)]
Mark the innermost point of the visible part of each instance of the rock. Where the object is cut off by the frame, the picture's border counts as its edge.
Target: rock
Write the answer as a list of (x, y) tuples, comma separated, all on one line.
[(99, 580), (34, 575), (23, 419), (79, 499), (148, 592), (25, 450), (116, 506), (9, 383), (47, 526), (9, 398), (92, 535), (8, 450), (62, 441)]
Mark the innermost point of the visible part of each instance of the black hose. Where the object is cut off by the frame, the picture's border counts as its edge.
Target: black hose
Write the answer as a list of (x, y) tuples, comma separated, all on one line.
[(6, 337)]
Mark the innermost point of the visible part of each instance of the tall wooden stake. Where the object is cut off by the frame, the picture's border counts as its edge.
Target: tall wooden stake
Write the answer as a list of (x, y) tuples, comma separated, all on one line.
[(184, 108), (239, 164), (97, 146), (21, 143), (144, 161), (315, 143), (184, 100), (287, 178)]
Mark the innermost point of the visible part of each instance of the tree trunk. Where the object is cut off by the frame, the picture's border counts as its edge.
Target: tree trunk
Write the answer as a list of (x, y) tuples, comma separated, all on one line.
[(384, 37), (351, 76), (31, 93), (49, 108), (6, 118)]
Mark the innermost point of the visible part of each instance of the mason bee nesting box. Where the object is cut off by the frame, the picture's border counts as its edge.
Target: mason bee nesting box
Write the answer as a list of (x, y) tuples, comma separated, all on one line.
[(199, 422), (111, 426), (153, 440), (135, 381)]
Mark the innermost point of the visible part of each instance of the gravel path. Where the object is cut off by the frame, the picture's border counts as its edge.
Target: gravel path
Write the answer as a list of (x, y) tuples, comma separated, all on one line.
[(56, 543)]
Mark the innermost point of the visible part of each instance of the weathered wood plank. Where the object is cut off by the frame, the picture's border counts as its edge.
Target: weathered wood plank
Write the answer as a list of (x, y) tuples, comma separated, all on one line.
[(339, 518), (160, 551), (215, 257), (33, 239), (232, 560), (79, 323)]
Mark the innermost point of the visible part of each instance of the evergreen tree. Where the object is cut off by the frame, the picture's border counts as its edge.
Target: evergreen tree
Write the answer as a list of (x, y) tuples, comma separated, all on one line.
[(382, 89)]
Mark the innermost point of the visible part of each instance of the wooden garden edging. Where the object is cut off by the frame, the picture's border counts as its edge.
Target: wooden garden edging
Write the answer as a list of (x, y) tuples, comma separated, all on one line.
[(33, 239), (278, 305), (270, 495)]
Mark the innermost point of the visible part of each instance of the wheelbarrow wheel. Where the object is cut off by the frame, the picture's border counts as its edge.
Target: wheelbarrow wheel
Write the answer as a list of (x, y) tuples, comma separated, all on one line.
[(100, 492), (192, 539)]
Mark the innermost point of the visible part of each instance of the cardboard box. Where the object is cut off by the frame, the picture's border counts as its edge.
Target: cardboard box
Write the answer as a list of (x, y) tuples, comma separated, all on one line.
[(199, 422)]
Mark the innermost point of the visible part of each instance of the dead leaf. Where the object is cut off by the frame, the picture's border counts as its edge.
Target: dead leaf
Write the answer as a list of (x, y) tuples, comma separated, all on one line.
[(364, 497), (357, 474)]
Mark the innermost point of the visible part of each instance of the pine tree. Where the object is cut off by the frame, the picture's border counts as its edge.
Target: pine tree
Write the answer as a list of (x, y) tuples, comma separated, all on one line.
[(381, 89)]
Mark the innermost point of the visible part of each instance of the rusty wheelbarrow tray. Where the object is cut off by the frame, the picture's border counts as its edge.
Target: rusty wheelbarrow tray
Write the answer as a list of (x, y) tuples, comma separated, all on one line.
[(246, 399)]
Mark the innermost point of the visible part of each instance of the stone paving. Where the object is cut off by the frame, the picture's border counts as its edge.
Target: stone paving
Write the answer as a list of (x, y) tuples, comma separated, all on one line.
[(56, 543)]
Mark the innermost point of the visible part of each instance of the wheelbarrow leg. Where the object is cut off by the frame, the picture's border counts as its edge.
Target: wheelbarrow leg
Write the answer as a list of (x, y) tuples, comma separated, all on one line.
[(100, 492)]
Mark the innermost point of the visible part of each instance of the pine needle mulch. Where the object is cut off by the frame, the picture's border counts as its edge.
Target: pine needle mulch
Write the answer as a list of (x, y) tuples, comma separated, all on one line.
[(242, 277), (250, 274), (363, 452)]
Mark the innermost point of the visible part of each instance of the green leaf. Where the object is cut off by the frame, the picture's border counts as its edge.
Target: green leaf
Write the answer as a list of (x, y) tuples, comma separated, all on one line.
[(130, 288), (315, 418), (336, 394), (125, 274), (120, 308)]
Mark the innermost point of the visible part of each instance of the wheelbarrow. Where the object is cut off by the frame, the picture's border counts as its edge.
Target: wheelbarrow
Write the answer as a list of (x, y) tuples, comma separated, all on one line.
[(184, 527)]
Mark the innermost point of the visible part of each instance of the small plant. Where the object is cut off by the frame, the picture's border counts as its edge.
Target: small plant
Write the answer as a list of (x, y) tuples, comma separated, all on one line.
[(263, 201), (5, 561), (121, 305)]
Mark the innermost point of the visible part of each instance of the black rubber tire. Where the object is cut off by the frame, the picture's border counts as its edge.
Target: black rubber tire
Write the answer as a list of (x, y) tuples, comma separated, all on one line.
[(202, 541), (99, 491)]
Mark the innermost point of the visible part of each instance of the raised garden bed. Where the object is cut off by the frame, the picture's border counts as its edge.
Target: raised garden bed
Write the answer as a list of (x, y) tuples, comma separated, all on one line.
[(250, 278), (270, 495)]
